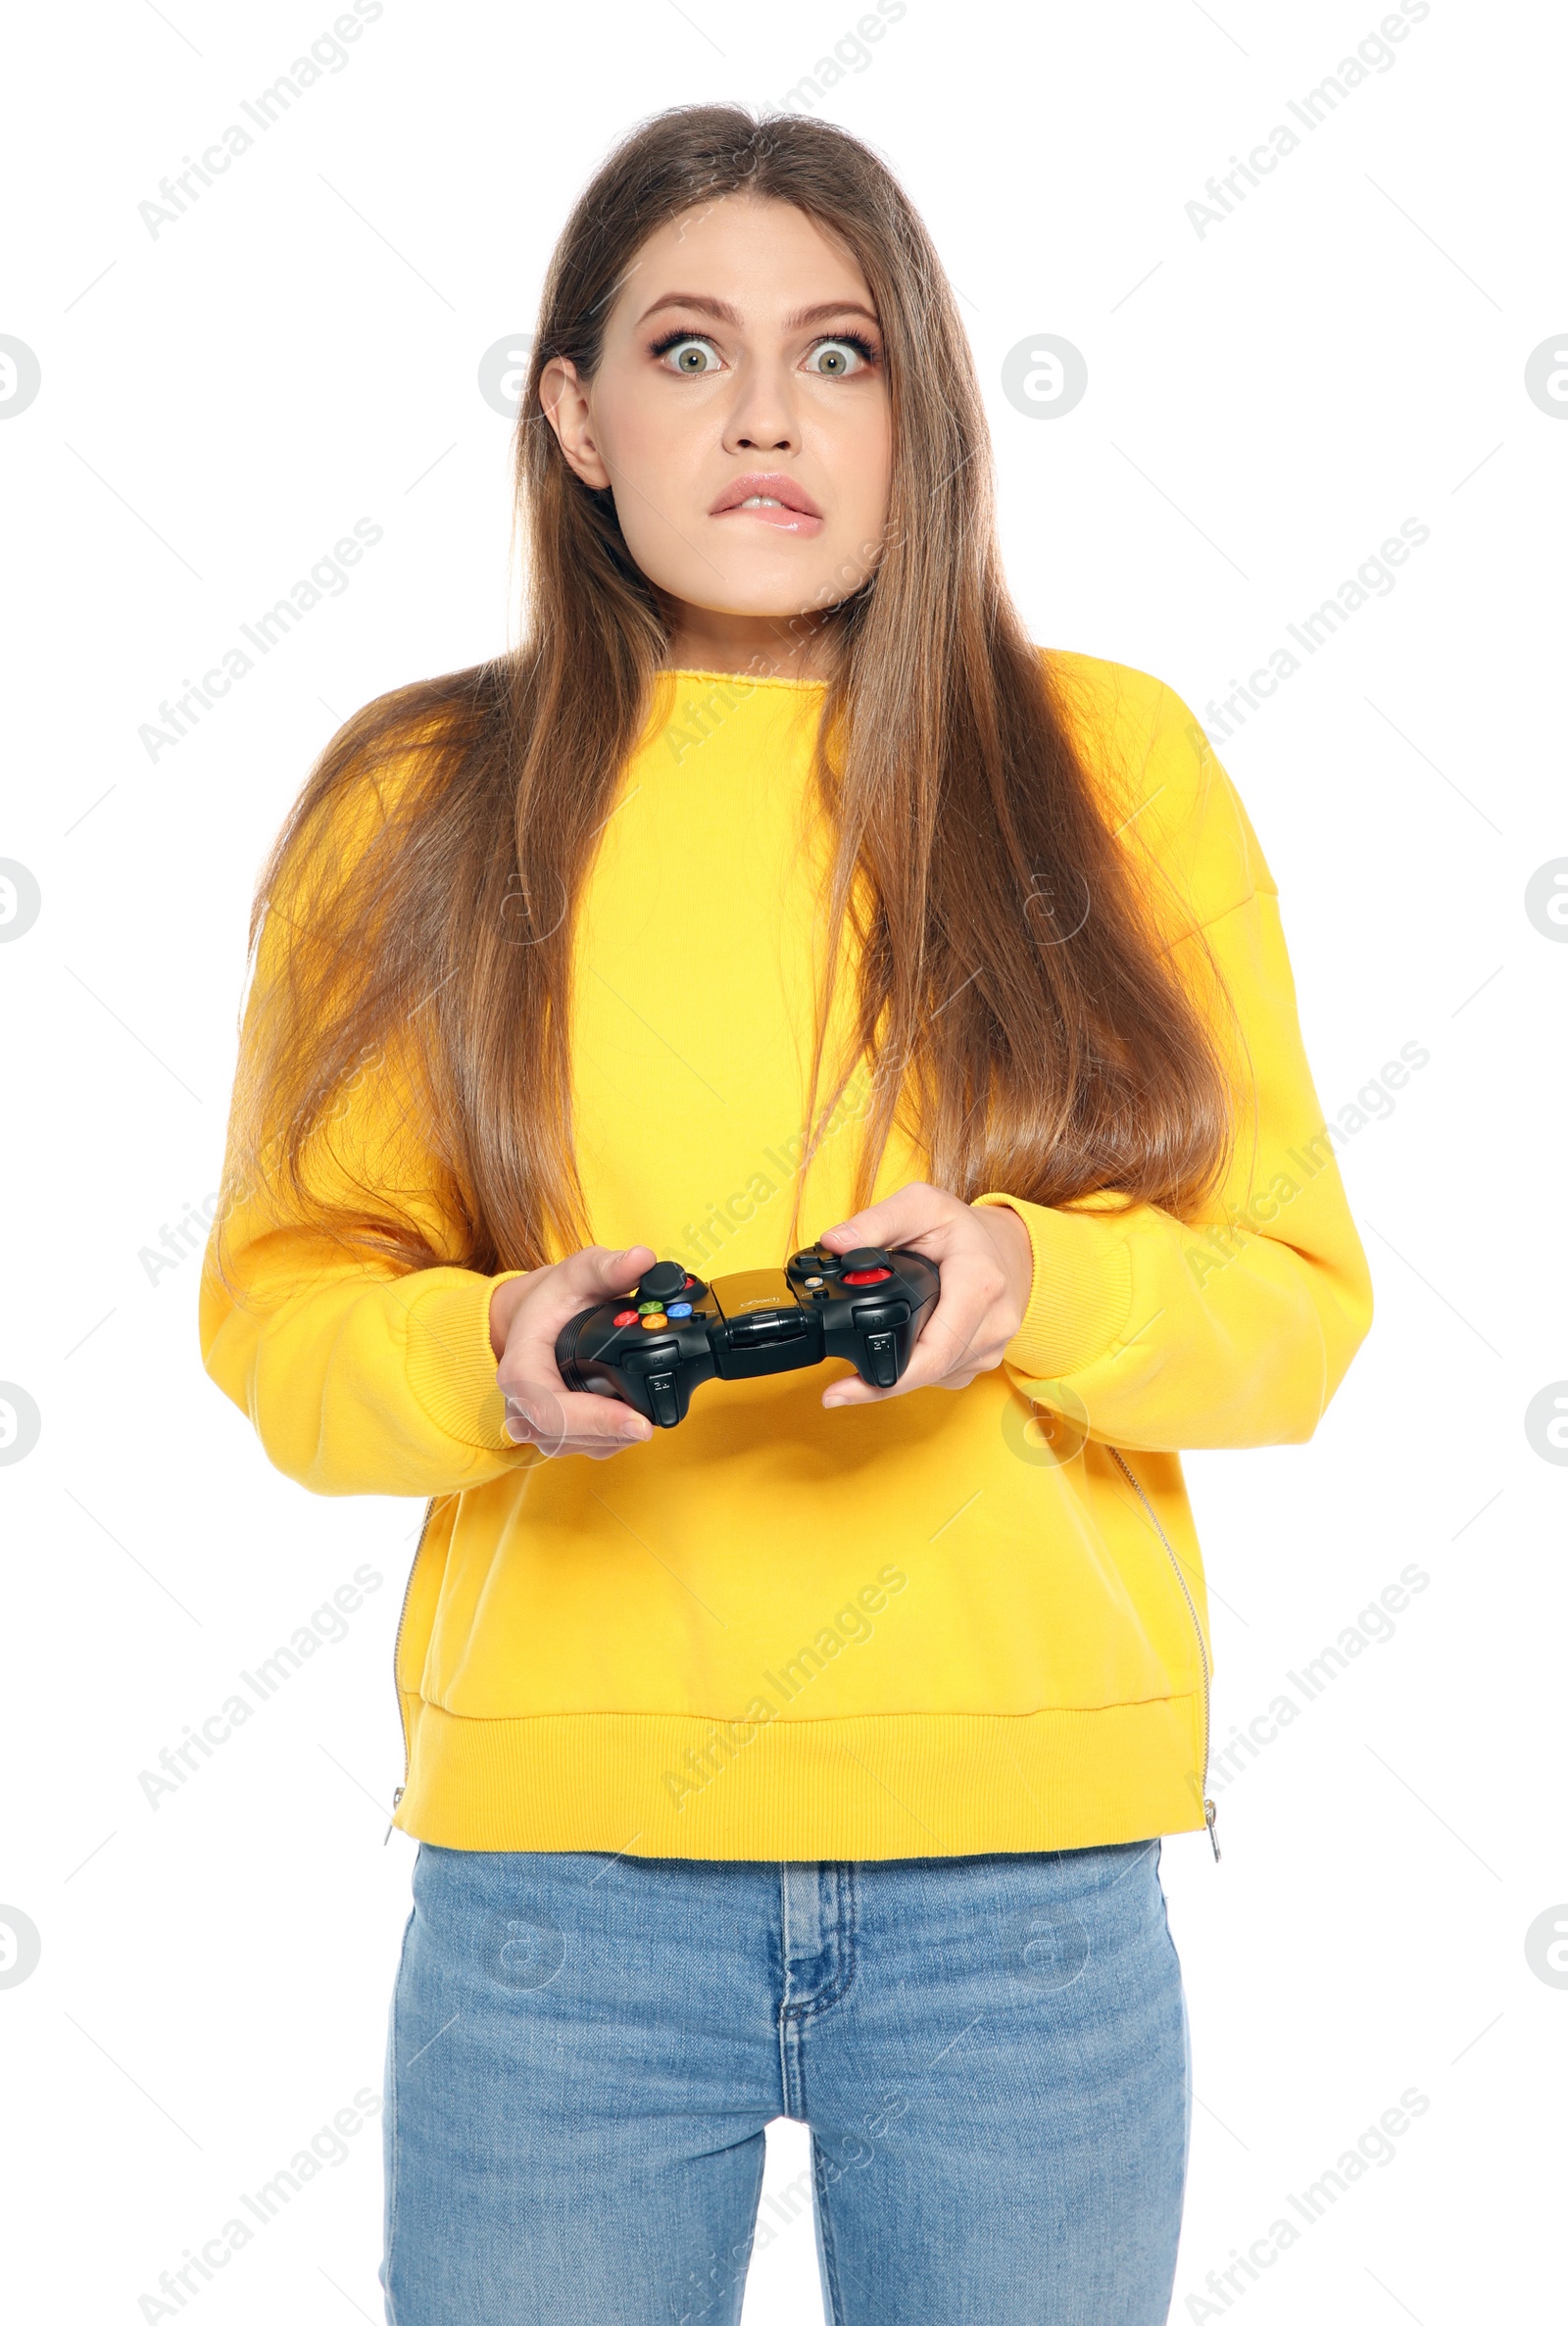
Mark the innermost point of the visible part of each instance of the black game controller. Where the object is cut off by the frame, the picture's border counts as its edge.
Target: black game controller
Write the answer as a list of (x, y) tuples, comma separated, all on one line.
[(652, 1347)]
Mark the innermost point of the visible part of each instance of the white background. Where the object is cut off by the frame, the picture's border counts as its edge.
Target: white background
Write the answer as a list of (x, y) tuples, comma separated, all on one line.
[(1268, 402)]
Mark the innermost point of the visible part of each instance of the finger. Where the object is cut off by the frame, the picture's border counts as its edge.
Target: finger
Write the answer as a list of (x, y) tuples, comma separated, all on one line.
[(598, 1449), (947, 1339), (948, 1336), (899, 1218), (555, 1419), (949, 1333), (854, 1392), (594, 1450), (598, 1270), (585, 1279)]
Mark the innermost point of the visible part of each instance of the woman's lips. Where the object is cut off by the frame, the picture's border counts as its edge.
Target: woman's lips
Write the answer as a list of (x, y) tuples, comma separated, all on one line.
[(775, 513)]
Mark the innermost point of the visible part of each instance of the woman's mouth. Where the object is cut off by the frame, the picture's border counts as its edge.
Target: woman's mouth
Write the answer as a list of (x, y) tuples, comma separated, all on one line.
[(776, 513), (774, 501)]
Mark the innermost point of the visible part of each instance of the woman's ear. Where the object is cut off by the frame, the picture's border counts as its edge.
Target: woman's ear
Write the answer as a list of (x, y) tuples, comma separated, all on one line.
[(564, 403)]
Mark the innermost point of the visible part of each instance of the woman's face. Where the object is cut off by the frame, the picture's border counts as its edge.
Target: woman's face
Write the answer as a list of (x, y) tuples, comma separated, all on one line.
[(740, 417)]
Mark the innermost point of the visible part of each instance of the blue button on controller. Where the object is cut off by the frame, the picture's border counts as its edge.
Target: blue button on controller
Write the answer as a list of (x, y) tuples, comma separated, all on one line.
[(678, 1309)]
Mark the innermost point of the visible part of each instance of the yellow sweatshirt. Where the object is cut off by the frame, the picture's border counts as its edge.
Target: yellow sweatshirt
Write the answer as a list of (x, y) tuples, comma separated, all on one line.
[(954, 1622)]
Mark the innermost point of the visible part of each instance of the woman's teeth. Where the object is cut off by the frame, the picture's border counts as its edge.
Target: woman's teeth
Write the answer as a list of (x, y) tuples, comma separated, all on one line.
[(761, 501)]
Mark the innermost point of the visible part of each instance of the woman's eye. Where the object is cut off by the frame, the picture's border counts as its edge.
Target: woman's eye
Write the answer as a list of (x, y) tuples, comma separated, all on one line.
[(691, 355), (835, 359)]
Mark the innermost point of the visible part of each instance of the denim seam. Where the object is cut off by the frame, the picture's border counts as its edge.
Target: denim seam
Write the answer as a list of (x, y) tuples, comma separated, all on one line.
[(825, 2217), (789, 2037), (750, 2234), (390, 2104), (785, 2026), (846, 1926)]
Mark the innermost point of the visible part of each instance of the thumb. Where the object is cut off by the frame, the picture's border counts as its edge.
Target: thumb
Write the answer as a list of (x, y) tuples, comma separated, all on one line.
[(583, 1280), (618, 1272)]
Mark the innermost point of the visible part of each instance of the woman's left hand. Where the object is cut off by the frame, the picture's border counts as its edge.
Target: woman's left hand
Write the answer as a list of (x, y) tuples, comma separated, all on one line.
[(987, 1264)]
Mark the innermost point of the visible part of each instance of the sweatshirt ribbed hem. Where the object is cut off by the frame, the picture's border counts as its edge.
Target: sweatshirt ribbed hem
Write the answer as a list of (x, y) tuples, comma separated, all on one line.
[(888, 1785)]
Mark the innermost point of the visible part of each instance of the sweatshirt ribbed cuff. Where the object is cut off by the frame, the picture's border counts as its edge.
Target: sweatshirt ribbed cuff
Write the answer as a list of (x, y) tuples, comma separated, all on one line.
[(1082, 1292), (452, 1367)]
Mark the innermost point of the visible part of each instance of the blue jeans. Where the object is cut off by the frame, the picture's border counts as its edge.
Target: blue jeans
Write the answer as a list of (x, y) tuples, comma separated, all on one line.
[(991, 2053)]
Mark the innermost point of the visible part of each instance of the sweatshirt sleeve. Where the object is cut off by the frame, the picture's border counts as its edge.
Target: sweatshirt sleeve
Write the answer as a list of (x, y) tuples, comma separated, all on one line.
[(1234, 1330), (358, 1376)]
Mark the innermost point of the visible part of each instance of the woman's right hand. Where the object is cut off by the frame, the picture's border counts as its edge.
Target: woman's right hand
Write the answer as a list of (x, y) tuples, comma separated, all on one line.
[(525, 1314)]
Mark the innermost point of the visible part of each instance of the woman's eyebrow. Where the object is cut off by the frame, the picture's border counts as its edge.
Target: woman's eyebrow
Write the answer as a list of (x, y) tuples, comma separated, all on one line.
[(723, 312)]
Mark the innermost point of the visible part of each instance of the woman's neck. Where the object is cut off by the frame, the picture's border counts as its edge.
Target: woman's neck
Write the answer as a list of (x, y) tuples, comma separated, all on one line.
[(758, 646)]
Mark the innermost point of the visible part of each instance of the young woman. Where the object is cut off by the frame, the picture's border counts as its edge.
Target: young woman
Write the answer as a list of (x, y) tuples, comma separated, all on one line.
[(809, 1758)]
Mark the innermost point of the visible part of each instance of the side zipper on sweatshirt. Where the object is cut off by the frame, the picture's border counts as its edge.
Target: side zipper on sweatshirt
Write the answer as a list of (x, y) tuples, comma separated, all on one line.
[(396, 1647), (1209, 1811)]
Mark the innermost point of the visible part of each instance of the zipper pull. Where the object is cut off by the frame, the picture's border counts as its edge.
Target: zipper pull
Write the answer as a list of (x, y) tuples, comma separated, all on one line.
[(1210, 1814), (398, 1796)]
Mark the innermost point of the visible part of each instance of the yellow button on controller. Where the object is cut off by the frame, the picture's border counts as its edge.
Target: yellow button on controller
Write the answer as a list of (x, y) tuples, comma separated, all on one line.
[(654, 1324)]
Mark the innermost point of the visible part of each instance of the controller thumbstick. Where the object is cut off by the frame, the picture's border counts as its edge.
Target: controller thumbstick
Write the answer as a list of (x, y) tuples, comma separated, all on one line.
[(663, 1280), (865, 1266)]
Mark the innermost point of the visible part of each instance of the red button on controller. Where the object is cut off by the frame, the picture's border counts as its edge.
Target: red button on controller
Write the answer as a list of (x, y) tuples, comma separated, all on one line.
[(626, 1317), (865, 1275)]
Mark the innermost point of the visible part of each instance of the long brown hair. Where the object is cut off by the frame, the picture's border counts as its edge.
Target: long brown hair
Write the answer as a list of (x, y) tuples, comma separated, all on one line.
[(1017, 1009)]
